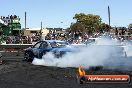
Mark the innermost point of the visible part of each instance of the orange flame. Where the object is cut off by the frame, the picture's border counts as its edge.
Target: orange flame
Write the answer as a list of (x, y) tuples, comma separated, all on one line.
[(81, 71)]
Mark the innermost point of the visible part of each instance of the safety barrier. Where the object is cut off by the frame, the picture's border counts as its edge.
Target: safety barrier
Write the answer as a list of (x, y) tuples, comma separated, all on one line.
[(15, 45), (11, 48)]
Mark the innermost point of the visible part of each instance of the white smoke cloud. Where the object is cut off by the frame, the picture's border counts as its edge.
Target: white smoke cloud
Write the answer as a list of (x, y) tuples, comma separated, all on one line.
[(105, 53)]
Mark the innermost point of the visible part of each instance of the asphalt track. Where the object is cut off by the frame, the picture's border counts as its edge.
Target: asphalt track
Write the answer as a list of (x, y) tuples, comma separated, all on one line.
[(15, 73)]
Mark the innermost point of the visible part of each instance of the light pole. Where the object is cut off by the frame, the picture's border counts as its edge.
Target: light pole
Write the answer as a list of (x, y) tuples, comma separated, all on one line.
[(41, 31), (25, 20), (109, 16)]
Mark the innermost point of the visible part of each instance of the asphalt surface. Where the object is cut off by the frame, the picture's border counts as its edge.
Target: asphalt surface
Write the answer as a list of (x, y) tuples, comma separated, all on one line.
[(15, 73)]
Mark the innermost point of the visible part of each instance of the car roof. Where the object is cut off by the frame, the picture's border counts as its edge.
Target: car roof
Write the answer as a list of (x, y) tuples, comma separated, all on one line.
[(93, 38), (54, 41)]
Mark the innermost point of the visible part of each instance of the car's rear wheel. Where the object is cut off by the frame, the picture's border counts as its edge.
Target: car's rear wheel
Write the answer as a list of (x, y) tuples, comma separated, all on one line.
[(28, 58)]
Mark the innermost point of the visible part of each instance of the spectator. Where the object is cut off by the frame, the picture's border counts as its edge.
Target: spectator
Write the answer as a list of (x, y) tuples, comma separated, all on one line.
[(29, 39)]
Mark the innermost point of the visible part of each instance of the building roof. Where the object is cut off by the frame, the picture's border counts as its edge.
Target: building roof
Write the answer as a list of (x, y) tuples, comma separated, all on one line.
[(34, 29)]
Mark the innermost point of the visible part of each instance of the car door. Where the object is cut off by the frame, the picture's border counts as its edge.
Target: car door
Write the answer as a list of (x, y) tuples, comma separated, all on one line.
[(36, 49), (44, 48)]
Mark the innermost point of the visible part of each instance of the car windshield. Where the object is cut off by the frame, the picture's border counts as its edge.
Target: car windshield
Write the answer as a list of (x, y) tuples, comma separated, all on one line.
[(58, 44)]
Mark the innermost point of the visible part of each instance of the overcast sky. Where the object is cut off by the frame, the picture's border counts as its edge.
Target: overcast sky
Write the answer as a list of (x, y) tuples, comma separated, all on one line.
[(59, 13)]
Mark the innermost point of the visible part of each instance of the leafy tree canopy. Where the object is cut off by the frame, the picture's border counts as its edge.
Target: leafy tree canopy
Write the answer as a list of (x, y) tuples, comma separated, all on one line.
[(130, 26), (90, 22)]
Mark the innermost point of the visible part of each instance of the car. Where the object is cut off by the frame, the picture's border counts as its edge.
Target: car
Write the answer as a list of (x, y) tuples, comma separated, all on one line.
[(57, 47)]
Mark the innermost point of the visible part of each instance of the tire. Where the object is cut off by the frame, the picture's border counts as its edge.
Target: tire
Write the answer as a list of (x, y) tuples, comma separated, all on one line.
[(27, 57)]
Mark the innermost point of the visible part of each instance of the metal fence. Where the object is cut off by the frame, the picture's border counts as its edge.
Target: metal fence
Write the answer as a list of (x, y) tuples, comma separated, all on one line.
[(13, 50)]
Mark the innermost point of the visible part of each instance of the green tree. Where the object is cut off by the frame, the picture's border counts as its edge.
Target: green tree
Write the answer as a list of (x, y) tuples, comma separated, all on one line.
[(130, 26), (77, 27), (90, 22), (104, 27)]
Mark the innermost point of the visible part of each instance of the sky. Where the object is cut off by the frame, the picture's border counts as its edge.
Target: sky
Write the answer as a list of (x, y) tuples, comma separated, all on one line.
[(60, 13)]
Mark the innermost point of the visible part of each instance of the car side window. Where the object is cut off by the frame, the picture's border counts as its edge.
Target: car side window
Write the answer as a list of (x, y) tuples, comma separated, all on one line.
[(37, 45), (44, 45)]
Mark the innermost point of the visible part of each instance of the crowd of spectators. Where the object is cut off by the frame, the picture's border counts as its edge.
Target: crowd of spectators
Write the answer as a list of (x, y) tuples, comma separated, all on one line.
[(55, 36), (70, 37), (76, 37), (21, 39)]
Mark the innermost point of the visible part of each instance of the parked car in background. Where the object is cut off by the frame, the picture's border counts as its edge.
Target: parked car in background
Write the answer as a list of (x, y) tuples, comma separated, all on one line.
[(57, 47)]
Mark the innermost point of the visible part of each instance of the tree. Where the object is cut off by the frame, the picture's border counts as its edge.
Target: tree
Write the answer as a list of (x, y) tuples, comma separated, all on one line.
[(90, 22), (104, 27), (76, 27), (130, 26)]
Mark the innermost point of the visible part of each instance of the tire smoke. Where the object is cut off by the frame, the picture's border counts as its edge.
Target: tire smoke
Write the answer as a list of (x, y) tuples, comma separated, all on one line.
[(104, 52)]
